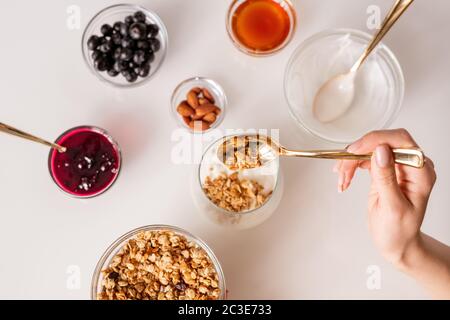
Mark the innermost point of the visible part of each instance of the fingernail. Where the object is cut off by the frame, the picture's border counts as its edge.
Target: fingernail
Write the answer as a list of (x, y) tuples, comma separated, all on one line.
[(354, 146), (383, 156), (345, 185)]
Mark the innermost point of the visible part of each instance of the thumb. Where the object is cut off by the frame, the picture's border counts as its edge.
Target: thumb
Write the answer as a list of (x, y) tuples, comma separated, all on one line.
[(383, 174)]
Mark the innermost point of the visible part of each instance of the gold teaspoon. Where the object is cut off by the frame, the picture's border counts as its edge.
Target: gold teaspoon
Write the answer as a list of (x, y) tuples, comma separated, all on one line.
[(19, 133), (253, 151)]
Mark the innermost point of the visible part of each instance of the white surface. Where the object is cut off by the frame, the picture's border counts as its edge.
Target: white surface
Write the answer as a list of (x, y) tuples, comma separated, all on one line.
[(315, 246)]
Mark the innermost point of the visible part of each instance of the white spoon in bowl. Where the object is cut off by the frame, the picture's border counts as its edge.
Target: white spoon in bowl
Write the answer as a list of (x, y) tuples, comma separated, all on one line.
[(336, 95)]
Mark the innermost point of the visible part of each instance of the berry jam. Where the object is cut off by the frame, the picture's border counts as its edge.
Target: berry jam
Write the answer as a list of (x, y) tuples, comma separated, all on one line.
[(89, 166)]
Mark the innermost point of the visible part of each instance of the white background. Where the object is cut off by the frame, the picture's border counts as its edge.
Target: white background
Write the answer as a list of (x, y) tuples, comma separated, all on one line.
[(315, 246)]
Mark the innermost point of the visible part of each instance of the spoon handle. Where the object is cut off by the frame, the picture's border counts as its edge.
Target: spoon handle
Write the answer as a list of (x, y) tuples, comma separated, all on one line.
[(19, 133), (396, 11), (409, 157)]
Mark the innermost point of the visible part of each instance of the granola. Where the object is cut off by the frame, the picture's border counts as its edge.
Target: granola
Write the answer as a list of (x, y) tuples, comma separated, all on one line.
[(239, 153), (160, 265), (234, 194)]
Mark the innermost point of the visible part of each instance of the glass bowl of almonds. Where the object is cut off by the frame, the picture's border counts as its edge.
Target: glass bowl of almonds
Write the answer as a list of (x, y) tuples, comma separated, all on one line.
[(237, 198), (198, 104), (158, 262)]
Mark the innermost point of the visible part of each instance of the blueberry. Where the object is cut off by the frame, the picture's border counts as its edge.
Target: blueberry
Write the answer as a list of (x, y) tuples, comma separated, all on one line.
[(144, 70), (119, 66), (131, 76), (152, 30), (127, 42), (101, 40), (124, 29), (139, 16), (117, 52), (101, 64), (138, 30), (109, 63), (150, 57), (116, 66), (126, 54), (125, 72), (106, 47), (155, 44), (143, 45), (106, 30), (137, 70), (140, 57), (118, 26), (116, 39), (96, 54), (112, 72), (103, 48), (129, 20), (93, 42)]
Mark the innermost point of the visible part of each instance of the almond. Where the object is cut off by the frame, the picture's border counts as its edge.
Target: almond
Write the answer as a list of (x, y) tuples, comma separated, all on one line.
[(205, 109), (187, 120), (210, 117), (203, 101), (208, 95), (197, 90), (199, 125), (185, 110), (192, 99), (196, 117)]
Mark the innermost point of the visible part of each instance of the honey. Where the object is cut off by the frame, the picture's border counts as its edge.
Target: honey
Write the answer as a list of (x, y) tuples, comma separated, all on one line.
[(261, 25)]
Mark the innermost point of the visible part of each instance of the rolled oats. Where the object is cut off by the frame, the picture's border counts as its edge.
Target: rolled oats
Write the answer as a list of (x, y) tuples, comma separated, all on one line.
[(160, 265)]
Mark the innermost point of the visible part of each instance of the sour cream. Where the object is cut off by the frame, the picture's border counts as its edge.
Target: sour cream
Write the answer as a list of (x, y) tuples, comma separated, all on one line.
[(378, 84)]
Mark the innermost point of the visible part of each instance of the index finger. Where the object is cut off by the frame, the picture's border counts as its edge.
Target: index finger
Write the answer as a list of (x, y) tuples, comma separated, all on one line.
[(398, 138)]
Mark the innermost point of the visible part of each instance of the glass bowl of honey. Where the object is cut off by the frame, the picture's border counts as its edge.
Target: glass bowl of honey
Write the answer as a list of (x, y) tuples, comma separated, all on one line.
[(261, 27)]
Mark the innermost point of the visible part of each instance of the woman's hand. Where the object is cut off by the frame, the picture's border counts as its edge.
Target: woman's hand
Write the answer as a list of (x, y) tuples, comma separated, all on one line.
[(398, 200), (398, 195)]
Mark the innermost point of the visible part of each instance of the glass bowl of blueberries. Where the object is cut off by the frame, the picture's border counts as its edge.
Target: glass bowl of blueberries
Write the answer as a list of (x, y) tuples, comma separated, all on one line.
[(125, 45)]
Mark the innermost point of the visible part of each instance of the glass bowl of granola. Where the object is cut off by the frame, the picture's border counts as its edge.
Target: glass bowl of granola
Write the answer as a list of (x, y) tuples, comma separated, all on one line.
[(158, 262), (239, 199)]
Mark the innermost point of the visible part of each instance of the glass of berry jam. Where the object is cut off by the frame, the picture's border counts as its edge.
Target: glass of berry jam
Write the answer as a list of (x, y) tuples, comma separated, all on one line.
[(90, 165)]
